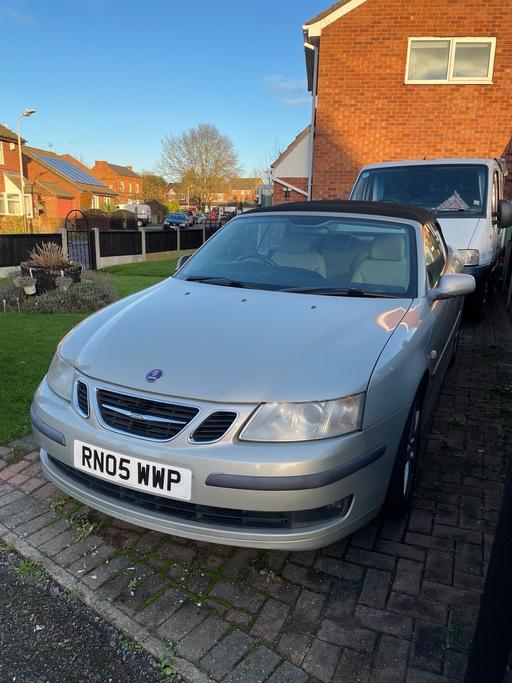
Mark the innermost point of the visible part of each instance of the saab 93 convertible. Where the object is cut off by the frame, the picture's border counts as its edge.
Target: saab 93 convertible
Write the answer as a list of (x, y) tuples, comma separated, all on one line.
[(272, 392)]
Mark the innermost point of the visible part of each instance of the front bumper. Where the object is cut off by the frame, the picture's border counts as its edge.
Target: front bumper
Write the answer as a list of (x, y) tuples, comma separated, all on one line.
[(480, 273), (230, 474)]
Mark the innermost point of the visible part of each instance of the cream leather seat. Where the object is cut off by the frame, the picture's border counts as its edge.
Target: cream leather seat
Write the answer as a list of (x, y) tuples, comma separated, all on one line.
[(342, 254), (387, 264), (296, 251)]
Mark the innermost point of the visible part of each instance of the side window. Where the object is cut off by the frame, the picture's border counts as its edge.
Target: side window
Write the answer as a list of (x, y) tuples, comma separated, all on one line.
[(495, 192), (435, 254)]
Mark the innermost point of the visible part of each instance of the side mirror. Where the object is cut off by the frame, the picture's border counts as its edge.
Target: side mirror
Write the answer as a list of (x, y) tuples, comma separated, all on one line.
[(504, 214), (452, 285), (182, 260)]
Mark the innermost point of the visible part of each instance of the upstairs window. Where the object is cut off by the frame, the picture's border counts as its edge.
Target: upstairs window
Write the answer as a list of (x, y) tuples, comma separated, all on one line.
[(121, 186), (450, 60), (137, 187), (1, 152), (129, 187)]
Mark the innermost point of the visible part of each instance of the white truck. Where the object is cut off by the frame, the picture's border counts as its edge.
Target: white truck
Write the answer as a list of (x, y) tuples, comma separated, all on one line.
[(142, 212), (465, 195)]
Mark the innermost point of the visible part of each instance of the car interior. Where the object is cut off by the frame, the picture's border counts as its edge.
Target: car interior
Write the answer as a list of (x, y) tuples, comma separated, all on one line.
[(345, 257)]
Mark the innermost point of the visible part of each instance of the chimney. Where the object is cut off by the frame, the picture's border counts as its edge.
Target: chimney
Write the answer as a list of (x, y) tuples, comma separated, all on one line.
[(130, 167)]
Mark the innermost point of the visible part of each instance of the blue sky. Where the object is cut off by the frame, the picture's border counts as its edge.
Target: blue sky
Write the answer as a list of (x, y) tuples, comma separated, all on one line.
[(110, 79)]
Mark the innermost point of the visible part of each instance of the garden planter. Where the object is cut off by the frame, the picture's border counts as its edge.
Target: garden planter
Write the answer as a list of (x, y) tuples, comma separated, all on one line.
[(29, 289), (46, 278)]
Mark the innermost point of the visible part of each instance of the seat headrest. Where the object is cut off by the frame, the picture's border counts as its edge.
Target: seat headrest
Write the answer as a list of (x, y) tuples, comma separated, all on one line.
[(336, 242), (296, 243), (388, 248)]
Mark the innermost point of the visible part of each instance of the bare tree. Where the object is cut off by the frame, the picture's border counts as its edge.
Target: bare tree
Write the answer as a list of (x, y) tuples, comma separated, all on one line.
[(201, 158)]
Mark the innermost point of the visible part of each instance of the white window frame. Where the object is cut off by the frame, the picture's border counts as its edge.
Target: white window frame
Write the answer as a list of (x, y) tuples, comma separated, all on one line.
[(451, 80), (2, 159)]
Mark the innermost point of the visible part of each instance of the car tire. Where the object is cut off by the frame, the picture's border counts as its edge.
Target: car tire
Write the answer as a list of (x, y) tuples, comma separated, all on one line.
[(401, 484), (139, 223), (455, 347)]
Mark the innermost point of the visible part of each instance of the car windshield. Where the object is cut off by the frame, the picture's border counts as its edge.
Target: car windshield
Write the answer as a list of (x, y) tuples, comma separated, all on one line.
[(443, 189), (177, 216), (317, 254)]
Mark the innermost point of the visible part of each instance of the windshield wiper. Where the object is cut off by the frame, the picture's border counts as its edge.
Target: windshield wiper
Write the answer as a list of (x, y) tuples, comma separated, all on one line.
[(331, 291), (215, 280)]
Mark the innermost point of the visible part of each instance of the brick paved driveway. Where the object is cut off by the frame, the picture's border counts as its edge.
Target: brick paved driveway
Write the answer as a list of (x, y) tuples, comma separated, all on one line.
[(395, 602)]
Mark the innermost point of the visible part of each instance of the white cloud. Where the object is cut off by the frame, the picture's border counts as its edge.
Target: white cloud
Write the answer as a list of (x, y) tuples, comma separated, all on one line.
[(295, 101), (16, 15), (289, 91)]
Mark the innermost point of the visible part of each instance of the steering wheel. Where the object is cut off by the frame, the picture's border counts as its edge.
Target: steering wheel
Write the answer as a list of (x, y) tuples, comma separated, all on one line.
[(257, 257)]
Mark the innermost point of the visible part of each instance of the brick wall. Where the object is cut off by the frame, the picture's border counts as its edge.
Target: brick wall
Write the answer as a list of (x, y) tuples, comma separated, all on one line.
[(367, 114), (279, 191), (103, 172)]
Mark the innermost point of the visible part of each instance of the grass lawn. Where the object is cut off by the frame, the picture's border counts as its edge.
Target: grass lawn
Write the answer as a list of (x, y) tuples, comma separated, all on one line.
[(158, 269), (28, 342)]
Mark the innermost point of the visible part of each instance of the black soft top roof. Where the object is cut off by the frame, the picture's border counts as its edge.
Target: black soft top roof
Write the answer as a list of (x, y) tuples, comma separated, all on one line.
[(388, 209)]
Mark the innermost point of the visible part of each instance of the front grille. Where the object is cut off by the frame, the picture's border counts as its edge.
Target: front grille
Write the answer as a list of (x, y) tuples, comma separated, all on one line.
[(82, 398), (143, 417), (206, 514), (214, 427)]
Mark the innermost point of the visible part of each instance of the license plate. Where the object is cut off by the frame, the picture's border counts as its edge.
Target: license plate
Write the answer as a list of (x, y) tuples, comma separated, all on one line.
[(134, 473)]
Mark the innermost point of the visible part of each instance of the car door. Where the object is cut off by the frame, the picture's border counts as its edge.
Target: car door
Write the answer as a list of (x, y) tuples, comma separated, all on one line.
[(445, 314)]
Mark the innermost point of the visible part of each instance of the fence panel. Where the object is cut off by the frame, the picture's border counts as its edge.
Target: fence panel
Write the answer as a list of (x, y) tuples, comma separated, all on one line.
[(120, 243), (16, 248), (161, 240), (191, 238)]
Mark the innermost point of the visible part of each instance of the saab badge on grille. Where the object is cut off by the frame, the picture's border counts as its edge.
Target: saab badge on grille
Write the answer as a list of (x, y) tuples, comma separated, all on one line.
[(154, 375)]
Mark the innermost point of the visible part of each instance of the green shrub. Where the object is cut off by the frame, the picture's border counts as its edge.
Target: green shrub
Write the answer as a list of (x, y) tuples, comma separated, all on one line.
[(83, 297)]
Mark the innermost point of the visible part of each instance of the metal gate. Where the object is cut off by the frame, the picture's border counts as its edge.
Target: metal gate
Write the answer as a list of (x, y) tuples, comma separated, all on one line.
[(80, 239), (81, 248)]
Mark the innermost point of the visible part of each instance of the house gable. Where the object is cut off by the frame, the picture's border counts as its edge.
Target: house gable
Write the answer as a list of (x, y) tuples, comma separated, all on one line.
[(313, 28)]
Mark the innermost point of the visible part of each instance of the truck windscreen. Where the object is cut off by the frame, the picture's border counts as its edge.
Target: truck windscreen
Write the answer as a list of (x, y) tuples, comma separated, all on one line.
[(443, 189)]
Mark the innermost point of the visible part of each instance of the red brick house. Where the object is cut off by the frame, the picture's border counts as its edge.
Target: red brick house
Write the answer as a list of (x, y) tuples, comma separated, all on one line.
[(10, 182), (121, 179), (398, 79), (62, 185)]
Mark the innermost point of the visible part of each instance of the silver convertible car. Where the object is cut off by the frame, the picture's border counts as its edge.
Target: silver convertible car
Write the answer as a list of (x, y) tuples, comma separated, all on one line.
[(272, 392)]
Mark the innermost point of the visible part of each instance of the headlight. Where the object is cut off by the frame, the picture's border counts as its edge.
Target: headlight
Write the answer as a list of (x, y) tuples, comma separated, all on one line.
[(60, 377), (469, 257), (305, 421)]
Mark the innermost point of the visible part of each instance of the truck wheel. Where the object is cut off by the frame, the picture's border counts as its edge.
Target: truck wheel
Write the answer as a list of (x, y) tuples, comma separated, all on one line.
[(139, 223), (475, 303), (401, 484)]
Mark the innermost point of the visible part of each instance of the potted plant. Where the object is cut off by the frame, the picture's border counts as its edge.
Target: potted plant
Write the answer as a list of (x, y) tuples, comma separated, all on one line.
[(47, 263), (28, 284)]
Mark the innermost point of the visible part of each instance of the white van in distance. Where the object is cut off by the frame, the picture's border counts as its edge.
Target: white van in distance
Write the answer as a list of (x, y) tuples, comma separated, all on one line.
[(466, 196), (141, 211)]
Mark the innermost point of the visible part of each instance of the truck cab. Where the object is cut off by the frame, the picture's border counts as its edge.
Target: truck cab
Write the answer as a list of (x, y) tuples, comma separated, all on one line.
[(465, 195)]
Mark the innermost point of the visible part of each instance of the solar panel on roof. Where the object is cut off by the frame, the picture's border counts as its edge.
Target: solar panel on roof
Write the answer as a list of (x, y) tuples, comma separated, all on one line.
[(70, 170)]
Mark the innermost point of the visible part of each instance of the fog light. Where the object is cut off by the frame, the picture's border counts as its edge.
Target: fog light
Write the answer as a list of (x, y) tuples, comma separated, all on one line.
[(337, 510)]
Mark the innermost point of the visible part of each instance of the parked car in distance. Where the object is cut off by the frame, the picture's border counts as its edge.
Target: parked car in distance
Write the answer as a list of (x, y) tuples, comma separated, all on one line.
[(329, 327), (200, 217), (141, 211), (190, 217), (466, 196), (176, 220)]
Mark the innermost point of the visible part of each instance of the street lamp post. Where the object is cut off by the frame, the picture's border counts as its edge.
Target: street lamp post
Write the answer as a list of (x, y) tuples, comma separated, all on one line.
[(27, 112)]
